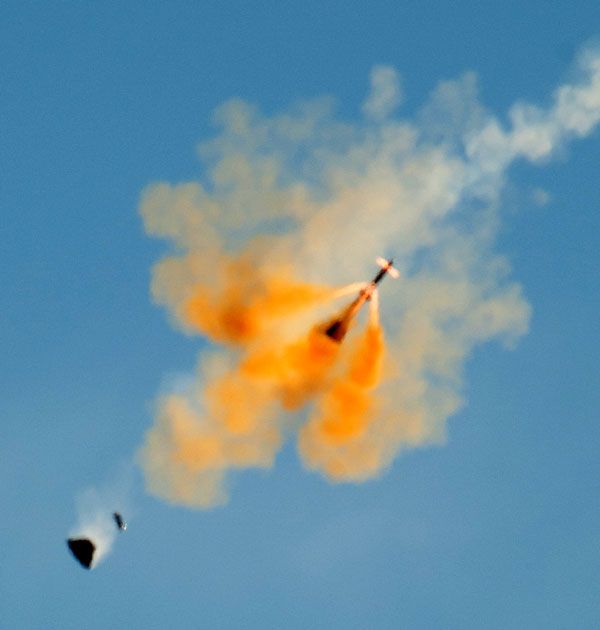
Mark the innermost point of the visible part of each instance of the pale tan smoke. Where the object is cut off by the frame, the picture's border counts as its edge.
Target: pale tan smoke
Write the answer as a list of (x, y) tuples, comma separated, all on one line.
[(293, 207)]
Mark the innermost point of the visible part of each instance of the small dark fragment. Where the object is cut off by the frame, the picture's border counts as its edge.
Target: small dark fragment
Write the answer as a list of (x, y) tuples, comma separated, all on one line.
[(83, 549), (121, 524)]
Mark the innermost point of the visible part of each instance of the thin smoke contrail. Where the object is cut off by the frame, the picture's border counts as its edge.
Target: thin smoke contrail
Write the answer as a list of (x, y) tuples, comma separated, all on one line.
[(292, 208)]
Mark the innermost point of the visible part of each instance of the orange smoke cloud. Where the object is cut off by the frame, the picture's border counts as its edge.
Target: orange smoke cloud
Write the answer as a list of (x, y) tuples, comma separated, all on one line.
[(323, 196), (245, 300), (235, 419)]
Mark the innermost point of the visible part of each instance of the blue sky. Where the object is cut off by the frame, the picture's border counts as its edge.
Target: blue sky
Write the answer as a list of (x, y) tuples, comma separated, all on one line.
[(497, 528)]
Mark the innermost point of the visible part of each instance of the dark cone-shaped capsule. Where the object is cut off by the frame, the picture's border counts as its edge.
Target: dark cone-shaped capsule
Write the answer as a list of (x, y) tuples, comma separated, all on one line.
[(83, 549)]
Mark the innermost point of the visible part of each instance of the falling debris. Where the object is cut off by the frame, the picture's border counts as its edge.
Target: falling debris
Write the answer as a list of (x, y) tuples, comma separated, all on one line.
[(97, 520), (83, 549), (121, 524)]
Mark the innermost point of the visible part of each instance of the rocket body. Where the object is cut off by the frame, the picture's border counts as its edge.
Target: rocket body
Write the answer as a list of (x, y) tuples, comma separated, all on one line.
[(338, 328)]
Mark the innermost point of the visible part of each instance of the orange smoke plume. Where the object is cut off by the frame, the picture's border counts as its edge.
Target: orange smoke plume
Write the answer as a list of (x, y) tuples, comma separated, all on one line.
[(335, 440), (236, 419), (245, 300)]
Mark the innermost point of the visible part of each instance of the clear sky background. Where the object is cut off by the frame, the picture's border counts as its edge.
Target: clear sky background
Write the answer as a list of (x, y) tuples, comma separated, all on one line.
[(498, 528)]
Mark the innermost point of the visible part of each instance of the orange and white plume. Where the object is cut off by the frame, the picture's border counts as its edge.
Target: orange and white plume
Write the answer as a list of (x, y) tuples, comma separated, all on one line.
[(291, 209)]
